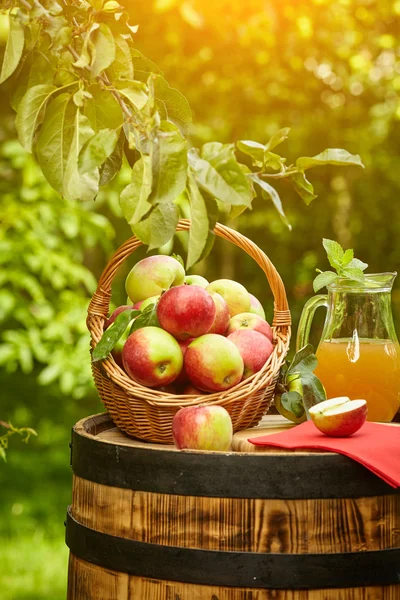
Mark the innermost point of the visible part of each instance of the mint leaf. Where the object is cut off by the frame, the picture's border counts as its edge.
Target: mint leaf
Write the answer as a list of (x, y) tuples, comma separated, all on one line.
[(348, 256), (324, 279), (293, 402), (334, 251), (112, 334), (354, 274), (357, 264)]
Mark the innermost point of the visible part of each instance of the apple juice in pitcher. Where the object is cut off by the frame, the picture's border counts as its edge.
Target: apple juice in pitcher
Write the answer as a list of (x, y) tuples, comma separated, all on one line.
[(358, 355)]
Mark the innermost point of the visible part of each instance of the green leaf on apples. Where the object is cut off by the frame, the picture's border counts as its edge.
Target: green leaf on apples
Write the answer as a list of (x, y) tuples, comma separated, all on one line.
[(159, 226), (14, 47), (199, 225), (147, 318), (303, 361), (112, 334), (313, 391), (270, 192), (293, 402)]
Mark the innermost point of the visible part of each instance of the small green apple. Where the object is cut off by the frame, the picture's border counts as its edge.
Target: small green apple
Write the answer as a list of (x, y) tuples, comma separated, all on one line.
[(196, 280), (235, 295), (153, 275)]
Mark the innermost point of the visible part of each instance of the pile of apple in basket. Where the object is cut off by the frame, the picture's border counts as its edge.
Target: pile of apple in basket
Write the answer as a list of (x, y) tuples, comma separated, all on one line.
[(184, 335)]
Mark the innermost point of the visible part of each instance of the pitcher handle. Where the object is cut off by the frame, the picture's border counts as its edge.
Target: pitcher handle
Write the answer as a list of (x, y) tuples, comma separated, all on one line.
[(303, 331)]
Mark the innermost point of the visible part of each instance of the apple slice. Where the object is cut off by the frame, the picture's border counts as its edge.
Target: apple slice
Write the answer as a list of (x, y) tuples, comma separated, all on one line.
[(339, 417)]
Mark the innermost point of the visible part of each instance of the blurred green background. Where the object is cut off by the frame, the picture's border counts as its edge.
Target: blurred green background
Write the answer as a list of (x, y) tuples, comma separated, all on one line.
[(330, 70)]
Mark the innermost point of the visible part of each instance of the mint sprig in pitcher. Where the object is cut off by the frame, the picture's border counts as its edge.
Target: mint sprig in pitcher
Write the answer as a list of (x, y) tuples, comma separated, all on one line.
[(358, 354)]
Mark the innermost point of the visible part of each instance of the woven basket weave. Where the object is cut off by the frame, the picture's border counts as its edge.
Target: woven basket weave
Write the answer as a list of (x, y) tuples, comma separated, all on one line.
[(146, 413)]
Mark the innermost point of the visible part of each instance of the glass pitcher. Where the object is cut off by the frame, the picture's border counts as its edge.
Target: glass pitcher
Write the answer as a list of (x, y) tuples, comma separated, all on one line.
[(358, 355)]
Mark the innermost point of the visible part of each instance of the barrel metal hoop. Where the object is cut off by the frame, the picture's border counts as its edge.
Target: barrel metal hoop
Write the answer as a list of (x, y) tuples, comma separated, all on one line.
[(218, 475), (233, 569)]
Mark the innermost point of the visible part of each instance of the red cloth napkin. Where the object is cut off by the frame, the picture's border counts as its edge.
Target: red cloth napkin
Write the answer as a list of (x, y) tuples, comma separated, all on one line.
[(375, 446)]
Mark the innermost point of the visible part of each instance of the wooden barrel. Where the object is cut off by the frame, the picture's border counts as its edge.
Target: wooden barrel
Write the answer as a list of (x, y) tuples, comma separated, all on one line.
[(149, 522)]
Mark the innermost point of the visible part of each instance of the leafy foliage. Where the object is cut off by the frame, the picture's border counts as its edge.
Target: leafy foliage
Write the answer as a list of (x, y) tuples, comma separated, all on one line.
[(344, 262), (302, 366), (24, 432), (44, 285), (94, 89)]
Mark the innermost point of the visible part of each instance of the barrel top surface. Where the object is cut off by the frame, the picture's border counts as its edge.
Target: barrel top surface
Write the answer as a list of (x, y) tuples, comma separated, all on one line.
[(103, 454), (102, 428)]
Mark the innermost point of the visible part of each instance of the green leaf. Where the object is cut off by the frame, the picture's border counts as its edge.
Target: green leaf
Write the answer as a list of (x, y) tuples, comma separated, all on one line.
[(103, 52), (3, 454), (324, 279), (103, 111), (55, 138), (253, 149), (303, 187), (199, 224), (274, 161), (348, 257), (293, 402), (77, 185), (29, 112), (278, 138), (331, 156), (142, 66), (353, 274), (136, 93), (303, 361), (169, 164), (313, 391), (223, 179), (85, 57), (122, 67), (112, 334), (274, 196), (113, 163), (177, 108), (148, 318), (14, 47), (159, 227), (95, 152), (356, 264), (134, 198), (334, 252)]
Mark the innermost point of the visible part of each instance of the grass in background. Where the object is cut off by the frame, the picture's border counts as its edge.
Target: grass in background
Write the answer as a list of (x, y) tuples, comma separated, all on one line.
[(35, 490)]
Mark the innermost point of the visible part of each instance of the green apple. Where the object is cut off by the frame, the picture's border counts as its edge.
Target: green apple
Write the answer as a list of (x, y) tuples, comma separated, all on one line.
[(256, 307), (152, 276), (196, 280), (235, 295)]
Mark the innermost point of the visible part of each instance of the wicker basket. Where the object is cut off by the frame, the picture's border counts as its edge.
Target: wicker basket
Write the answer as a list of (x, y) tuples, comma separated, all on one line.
[(147, 414)]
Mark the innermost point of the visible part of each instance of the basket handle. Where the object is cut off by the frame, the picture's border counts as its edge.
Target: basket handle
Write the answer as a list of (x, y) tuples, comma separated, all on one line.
[(100, 302)]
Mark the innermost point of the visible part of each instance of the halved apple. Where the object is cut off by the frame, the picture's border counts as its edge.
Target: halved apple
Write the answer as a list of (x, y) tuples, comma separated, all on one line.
[(339, 417)]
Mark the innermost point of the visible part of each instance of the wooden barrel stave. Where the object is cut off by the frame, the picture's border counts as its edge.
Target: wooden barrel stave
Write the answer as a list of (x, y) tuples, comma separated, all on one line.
[(281, 526)]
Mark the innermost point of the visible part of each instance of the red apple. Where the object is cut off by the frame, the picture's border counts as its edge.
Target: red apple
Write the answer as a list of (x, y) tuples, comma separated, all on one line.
[(193, 391), (152, 275), (254, 347), (202, 428), (235, 295), (117, 312), (256, 307), (249, 321), (222, 316), (339, 417), (213, 363), (152, 357), (186, 311), (196, 280)]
